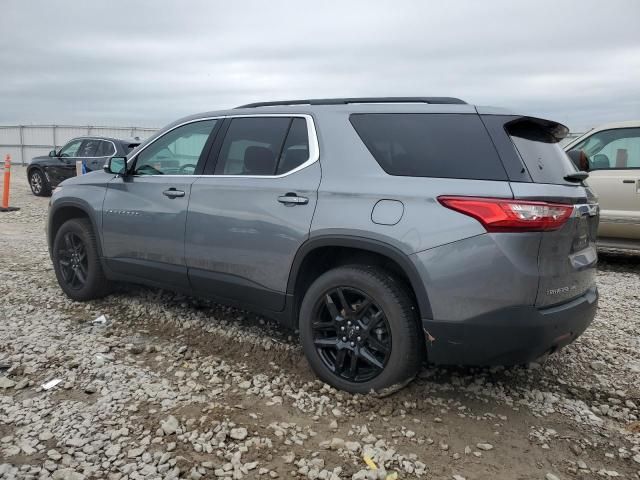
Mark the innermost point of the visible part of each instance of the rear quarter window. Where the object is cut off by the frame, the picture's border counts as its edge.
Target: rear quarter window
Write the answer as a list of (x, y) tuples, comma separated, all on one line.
[(430, 145)]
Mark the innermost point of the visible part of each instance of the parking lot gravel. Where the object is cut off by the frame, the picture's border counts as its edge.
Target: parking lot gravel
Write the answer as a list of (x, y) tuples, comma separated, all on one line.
[(154, 385)]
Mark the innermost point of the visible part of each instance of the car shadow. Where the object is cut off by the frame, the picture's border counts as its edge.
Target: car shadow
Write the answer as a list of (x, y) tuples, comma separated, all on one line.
[(619, 260)]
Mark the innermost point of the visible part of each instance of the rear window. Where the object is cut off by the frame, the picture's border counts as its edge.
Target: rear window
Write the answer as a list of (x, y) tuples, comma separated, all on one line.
[(263, 146), (105, 149), (430, 145), (540, 150), (296, 148), (88, 148), (252, 145)]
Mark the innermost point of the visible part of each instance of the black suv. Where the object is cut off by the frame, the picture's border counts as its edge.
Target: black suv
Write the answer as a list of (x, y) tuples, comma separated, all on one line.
[(45, 173)]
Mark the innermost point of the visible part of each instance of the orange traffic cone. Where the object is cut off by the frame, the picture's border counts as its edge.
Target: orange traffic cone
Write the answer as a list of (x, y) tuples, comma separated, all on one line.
[(5, 189)]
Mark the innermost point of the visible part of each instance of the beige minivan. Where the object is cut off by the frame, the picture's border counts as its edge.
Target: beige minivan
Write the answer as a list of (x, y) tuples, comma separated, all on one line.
[(613, 156)]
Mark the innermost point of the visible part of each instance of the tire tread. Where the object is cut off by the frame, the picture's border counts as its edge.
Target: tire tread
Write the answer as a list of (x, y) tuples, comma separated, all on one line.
[(411, 359), (99, 285), (46, 187)]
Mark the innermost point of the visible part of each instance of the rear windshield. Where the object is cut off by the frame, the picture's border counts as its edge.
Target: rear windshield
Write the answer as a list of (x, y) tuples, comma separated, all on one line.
[(430, 145), (540, 151)]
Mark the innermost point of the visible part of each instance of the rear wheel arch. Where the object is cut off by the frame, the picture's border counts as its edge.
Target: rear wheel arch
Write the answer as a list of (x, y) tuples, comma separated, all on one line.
[(321, 254)]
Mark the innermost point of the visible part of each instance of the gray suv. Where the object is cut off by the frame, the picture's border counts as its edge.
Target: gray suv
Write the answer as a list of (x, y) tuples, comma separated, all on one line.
[(386, 230)]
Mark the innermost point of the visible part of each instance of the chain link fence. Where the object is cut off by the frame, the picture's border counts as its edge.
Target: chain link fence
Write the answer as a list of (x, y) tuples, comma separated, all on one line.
[(23, 142)]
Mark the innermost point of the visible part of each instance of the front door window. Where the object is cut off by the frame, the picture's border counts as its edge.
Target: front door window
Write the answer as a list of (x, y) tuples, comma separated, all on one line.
[(70, 149), (177, 152), (612, 149)]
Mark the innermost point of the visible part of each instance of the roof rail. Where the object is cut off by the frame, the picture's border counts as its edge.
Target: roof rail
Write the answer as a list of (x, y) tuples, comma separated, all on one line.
[(344, 101)]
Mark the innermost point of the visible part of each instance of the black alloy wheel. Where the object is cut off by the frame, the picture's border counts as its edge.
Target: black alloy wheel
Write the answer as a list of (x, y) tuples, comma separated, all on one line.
[(73, 261), (76, 261), (351, 334), (359, 330), (38, 183)]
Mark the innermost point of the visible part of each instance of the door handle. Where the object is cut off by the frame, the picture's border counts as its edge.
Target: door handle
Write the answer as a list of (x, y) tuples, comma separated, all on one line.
[(292, 198), (628, 181), (173, 193)]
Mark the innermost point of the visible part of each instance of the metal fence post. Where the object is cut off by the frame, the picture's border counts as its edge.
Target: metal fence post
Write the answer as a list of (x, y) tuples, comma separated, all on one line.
[(55, 143), (21, 128)]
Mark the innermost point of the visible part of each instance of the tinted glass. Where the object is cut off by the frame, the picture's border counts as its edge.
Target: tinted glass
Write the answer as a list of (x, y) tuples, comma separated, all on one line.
[(88, 148), (541, 152), (609, 149), (176, 152), (252, 146), (106, 149), (430, 145), (70, 149), (296, 148)]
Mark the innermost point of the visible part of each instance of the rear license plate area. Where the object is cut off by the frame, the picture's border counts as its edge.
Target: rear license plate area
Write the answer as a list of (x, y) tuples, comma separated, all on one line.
[(583, 235)]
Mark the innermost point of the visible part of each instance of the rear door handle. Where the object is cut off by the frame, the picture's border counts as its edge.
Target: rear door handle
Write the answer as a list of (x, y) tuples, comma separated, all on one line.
[(173, 193), (628, 181), (293, 199)]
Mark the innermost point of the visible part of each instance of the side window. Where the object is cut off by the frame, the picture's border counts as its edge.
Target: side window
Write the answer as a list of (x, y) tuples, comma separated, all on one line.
[(177, 152), (88, 148), (70, 149), (610, 149), (105, 149), (253, 146), (296, 148), (440, 145)]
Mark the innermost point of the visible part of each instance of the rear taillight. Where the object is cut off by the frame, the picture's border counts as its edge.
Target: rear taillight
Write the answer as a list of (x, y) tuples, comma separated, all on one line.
[(502, 215)]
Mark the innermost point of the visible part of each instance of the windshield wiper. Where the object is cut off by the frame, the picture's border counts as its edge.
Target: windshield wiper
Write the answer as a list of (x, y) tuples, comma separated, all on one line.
[(576, 176)]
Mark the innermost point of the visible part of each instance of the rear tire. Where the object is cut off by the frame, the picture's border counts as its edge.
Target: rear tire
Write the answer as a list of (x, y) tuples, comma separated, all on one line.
[(39, 184), (363, 312), (76, 261)]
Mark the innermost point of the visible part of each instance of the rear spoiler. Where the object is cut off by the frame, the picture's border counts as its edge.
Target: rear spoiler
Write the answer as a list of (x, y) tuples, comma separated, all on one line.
[(537, 129)]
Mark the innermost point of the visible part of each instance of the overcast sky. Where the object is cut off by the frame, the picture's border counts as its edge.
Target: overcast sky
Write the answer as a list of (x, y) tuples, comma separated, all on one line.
[(147, 63)]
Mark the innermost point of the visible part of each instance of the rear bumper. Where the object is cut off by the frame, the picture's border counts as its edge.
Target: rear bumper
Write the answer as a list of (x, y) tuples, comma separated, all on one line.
[(511, 335)]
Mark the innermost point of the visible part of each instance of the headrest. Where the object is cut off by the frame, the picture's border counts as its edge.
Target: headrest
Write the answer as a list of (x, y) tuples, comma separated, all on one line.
[(621, 158), (600, 161), (294, 157), (259, 161)]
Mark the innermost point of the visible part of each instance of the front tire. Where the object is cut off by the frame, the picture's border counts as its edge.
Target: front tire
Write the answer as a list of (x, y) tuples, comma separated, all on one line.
[(76, 261), (39, 184), (359, 331)]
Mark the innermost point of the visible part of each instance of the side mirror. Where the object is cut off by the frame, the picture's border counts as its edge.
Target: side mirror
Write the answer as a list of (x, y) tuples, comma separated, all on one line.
[(116, 166), (579, 159), (53, 153)]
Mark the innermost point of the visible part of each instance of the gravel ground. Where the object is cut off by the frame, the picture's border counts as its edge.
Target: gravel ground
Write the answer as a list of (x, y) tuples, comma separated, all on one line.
[(175, 387)]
